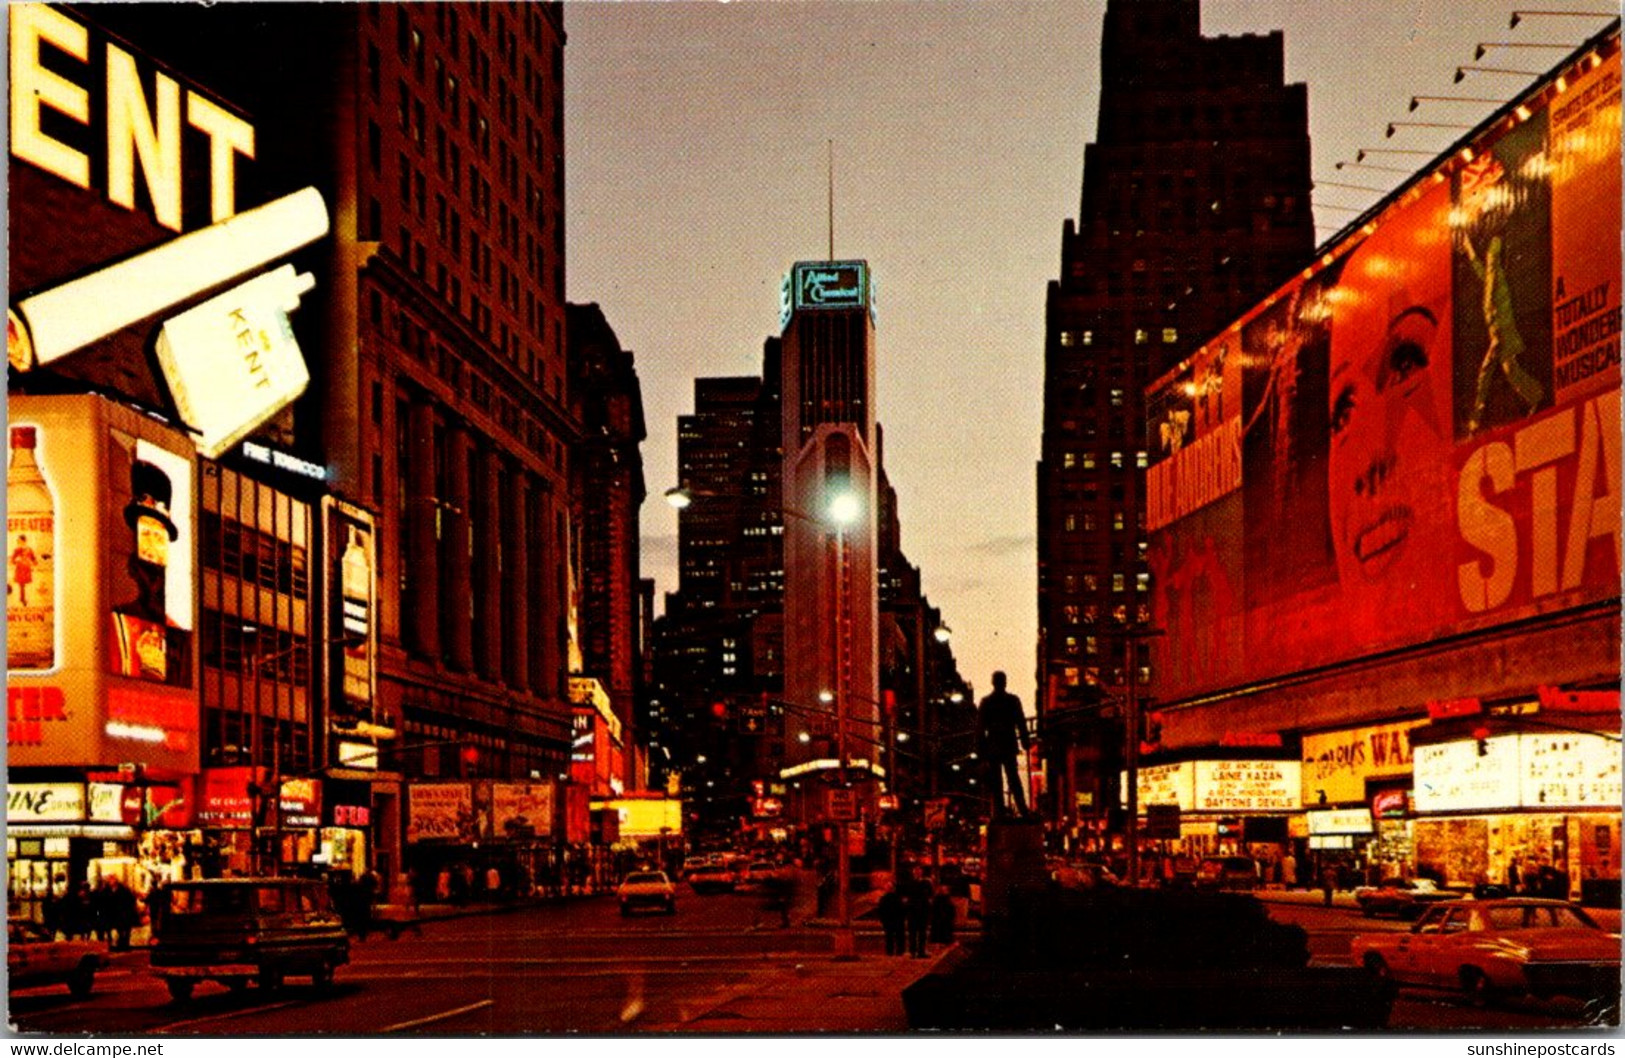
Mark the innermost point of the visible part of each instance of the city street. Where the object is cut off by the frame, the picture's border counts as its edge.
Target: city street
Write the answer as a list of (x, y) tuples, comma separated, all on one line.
[(574, 967), (582, 967)]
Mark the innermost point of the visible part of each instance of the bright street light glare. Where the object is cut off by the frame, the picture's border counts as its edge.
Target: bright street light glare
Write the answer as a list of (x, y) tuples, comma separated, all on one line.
[(679, 498), (844, 509), (943, 633), (803, 738), (826, 697)]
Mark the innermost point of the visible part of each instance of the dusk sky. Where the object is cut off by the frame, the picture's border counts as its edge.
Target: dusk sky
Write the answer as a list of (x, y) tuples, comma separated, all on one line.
[(696, 138)]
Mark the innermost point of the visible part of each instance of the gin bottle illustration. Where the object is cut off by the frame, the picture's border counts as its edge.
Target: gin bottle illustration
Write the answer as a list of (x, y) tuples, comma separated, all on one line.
[(30, 558)]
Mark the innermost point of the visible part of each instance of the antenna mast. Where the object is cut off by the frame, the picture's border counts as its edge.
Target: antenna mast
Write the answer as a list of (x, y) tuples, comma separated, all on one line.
[(831, 144)]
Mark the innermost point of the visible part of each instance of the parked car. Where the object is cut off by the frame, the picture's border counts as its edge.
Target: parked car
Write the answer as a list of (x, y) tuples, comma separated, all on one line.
[(1227, 872), (237, 930), (1083, 876), (1492, 947), (759, 873), (1401, 897), (35, 957), (647, 889), (711, 878)]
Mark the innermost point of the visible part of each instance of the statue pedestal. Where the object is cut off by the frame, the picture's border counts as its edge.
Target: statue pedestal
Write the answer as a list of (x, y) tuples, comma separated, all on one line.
[(1015, 860)]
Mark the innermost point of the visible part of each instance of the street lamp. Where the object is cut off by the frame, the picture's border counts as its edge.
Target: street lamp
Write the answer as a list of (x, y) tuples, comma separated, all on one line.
[(843, 509)]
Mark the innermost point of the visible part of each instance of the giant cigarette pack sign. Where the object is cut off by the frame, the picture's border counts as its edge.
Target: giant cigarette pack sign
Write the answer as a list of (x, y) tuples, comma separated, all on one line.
[(101, 564), (1418, 436)]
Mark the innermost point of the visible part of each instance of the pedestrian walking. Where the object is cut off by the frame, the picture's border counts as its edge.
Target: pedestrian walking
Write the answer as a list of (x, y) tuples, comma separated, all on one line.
[(890, 910), (942, 917), (1328, 881), (917, 915), (157, 905)]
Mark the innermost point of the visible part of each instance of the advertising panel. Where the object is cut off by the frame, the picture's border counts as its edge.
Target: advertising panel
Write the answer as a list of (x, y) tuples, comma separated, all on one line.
[(521, 809), (1418, 436), (1163, 784), (227, 802), (1247, 785), (440, 811), (351, 592), (1568, 769), (1337, 764), (122, 685), (1455, 776)]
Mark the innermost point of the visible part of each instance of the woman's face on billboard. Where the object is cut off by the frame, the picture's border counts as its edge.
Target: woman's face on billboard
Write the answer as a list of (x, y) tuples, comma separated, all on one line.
[(1389, 409)]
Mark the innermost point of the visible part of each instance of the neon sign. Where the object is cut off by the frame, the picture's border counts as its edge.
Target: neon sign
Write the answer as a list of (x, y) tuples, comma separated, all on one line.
[(830, 285)]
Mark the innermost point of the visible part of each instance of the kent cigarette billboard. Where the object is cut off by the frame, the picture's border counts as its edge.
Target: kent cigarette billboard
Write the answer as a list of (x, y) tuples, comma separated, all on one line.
[(1419, 435)]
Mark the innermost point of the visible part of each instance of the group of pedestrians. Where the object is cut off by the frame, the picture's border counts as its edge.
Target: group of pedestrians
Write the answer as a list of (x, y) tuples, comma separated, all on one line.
[(912, 913), (108, 912)]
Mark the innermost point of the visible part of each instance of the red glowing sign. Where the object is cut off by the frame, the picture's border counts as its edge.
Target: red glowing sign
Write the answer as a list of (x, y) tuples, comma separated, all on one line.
[(1418, 436), (27, 710)]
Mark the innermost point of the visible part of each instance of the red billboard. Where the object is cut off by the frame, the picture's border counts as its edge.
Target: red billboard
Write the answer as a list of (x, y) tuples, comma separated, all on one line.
[(1417, 436)]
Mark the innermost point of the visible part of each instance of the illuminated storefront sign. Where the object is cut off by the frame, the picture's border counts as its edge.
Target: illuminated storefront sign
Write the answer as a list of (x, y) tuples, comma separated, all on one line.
[(1337, 764), (1500, 454), (129, 129), (1247, 785), (644, 818), (272, 457), (1567, 769), (1167, 784), (1544, 770), (301, 802), (1340, 821), (1455, 776), (226, 801), (41, 802)]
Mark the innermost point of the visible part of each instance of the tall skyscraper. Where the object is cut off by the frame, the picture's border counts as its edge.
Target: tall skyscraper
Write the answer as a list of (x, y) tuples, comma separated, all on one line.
[(831, 495), (1196, 202)]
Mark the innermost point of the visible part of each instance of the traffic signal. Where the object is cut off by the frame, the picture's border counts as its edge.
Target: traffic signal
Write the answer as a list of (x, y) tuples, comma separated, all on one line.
[(719, 710), (1481, 735)]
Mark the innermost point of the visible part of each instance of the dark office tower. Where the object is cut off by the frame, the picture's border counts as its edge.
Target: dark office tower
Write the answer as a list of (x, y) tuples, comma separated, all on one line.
[(720, 643), (608, 490), (1195, 204)]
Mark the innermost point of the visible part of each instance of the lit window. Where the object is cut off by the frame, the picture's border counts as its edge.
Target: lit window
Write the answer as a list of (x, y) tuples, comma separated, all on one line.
[(1091, 645), (1118, 521), (1117, 582), (1068, 460), (1117, 398), (1068, 338), (1142, 582), (1071, 523), (1142, 459), (1117, 461), (1088, 461), (1170, 335), (1071, 613), (1088, 522), (1088, 337), (1071, 644), (1091, 582), (1140, 336)]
